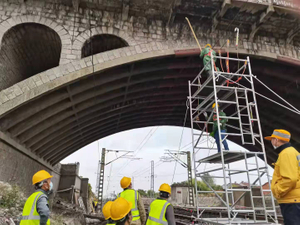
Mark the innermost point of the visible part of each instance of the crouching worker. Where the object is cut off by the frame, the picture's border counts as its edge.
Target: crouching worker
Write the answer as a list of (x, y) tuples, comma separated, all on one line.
[(160, 210), (106, 213), (120, 211)]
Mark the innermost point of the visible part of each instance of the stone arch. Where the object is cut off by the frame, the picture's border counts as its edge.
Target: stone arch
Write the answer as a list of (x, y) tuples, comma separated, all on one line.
[(87, 34), (101, 43), (27, 49), (64, 35)]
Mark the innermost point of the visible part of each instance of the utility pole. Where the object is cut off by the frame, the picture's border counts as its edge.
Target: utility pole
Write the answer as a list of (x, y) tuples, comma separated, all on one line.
[(101, 178), (101, 167), (174, 156), (152, 179)]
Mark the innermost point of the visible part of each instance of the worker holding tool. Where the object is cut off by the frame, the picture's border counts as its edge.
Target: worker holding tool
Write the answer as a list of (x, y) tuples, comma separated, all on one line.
[(215, 132), (36, 209), (286, 177), (160, 210), (106, 213), (132, 196), (206, 54), (120, 211)]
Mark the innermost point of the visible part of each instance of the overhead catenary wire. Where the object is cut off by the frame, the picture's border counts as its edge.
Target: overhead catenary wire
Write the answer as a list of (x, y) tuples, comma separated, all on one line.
[(140, 146)]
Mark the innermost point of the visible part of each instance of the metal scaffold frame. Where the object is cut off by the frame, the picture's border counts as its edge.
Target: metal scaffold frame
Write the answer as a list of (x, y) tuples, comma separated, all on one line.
[(243, 99)]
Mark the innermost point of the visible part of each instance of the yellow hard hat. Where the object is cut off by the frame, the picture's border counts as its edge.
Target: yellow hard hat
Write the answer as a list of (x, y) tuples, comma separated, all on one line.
[(165, 187), (280, 135), (40, 176), (208, 45), (214, 105), (120, 208), (106, 210), (125, 182)]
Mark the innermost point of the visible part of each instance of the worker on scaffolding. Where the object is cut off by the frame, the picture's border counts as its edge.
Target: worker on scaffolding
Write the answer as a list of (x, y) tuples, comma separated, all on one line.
[(215, 132), (131, 195), (36, 209), (206, 54), (120, 212), (286, 177), (160, 210), (106, 213)]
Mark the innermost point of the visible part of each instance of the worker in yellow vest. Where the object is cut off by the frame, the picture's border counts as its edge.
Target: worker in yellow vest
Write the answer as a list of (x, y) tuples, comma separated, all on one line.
[(132, 196), (36, 210), (95, 205), (120, 211), (160, 210), (106, 213)]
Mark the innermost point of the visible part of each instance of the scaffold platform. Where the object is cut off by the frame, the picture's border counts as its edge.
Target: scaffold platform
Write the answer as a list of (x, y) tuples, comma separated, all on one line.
[(229, 157)]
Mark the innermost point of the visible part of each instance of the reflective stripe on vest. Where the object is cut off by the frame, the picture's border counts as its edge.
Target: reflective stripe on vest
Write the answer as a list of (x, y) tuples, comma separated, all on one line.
[(128, 195), (33, 218), (157, 215)]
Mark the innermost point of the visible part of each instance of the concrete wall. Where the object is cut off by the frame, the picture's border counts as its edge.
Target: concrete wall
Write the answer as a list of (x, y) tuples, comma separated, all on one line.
[(17, 168), (180, 195), (85, 192)]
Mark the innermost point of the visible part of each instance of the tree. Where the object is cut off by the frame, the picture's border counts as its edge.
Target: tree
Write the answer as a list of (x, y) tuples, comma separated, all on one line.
[(201, 185), (142, 193)]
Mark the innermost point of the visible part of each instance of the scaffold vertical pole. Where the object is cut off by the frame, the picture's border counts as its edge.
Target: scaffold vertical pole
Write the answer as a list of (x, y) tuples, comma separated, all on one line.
[(261, 137), (220, 136), (194, 152)]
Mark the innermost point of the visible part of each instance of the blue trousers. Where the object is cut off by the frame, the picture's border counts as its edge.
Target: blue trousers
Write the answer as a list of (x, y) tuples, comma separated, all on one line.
[(290, 213), (218, 142)]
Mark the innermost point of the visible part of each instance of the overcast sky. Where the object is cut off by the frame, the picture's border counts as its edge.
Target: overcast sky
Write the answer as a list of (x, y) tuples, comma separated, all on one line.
[(148, 144)]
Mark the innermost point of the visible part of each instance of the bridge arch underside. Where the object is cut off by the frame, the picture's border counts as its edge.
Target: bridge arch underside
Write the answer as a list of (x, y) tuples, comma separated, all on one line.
[(144, 93)]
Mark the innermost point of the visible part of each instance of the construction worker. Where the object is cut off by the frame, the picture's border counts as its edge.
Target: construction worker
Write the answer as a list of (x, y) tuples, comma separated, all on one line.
[(138, 210), (95, 204), (286, 177), (36, 209), (215, 132), (160, 210), (120, 211), (106, 213), (206, 55)]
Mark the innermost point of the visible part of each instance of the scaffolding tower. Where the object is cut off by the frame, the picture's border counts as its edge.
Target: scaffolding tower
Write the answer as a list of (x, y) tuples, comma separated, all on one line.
[(240, 100)]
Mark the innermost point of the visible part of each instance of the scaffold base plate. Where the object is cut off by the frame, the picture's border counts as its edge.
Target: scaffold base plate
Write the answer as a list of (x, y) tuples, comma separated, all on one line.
[(220, 221)]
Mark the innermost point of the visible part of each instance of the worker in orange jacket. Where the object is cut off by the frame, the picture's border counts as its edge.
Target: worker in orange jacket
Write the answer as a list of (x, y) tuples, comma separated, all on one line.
[(286, 177)]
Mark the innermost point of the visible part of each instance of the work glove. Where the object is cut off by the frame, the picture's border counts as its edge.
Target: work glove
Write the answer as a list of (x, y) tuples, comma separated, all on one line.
[(205, 114)]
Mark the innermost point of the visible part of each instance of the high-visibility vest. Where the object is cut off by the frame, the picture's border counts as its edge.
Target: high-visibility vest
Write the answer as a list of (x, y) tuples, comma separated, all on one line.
[(132, 196), (30, 215), (157, 212)]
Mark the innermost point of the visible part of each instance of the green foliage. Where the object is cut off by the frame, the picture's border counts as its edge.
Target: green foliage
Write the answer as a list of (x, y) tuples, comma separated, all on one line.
[(142, 192), (201, 185), (11, 197), (90, 192), (148, 193)]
